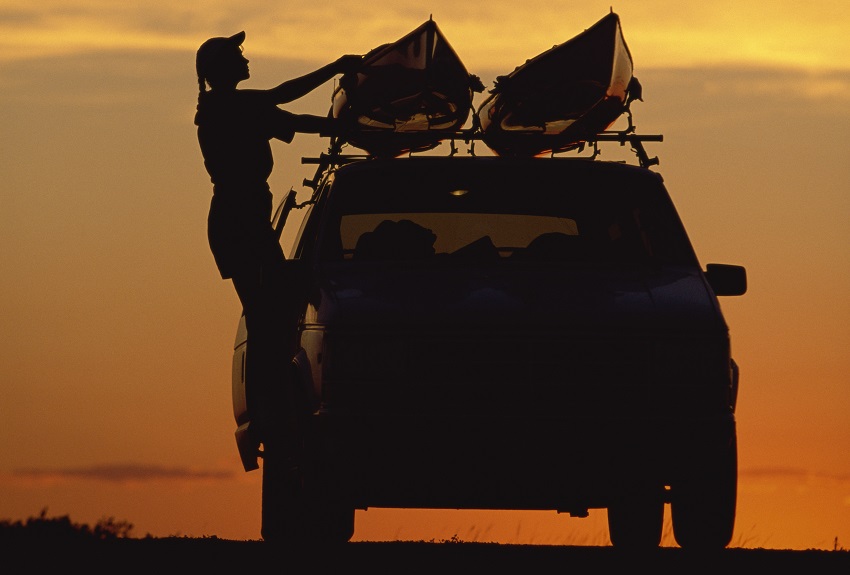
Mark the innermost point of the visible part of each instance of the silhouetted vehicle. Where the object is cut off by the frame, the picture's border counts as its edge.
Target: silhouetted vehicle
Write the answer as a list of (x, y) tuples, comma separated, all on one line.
[(500, 333)]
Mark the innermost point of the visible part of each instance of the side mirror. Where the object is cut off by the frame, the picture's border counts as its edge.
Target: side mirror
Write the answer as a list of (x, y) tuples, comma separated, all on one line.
[(726, 279)]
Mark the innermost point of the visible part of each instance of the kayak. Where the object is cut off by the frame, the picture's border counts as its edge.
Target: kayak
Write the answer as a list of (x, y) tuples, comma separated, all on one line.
[(562, 97), (408, 95)]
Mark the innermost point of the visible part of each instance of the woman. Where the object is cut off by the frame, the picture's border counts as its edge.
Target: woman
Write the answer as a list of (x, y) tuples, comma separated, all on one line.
[(235, 128)]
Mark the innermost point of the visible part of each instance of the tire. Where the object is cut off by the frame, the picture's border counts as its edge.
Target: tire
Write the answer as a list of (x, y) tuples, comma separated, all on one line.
[(636, 518), (301, 502), (283, 511), (703, 506)]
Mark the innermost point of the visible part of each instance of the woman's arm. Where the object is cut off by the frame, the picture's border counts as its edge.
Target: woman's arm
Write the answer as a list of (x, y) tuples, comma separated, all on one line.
[(284, 125), (298, 87), (309, 124)]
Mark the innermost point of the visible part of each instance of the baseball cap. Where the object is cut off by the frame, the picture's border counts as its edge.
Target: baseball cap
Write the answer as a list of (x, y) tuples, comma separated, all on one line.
[(210, 50)]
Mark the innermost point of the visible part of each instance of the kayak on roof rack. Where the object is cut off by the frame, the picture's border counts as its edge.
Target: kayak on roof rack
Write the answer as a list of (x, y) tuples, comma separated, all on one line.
[(562, 97), (409, 95)]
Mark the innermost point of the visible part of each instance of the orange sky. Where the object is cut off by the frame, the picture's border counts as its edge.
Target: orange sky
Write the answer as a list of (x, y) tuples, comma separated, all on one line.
[(116, 349)]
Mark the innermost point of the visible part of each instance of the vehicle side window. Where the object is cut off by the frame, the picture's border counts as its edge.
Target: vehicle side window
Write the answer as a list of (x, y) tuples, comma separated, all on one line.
[(628, 241)]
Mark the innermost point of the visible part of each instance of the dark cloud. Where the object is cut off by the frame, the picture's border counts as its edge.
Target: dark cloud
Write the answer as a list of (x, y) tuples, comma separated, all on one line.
[(124, 473), (791, 473), (21, 16)]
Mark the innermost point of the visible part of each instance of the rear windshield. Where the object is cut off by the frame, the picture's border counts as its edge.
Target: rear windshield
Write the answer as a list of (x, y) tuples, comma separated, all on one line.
[(500, 215)]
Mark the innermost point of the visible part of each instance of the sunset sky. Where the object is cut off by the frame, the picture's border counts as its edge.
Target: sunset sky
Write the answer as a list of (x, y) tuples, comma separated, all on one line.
[(117, 329)]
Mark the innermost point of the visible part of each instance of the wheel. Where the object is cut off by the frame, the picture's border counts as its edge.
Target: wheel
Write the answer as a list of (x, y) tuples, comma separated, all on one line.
[(283, 510), (636, 518), (703, 506), (301, 502)]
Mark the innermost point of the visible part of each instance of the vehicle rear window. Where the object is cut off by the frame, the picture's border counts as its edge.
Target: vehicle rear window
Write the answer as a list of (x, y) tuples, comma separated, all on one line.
[(426, 214)]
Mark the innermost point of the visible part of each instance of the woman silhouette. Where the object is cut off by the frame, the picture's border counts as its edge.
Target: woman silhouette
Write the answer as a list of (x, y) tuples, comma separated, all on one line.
[(235, 128)]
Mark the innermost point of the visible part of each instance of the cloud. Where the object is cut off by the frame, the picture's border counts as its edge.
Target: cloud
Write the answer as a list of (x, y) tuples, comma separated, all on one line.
[(660, 33), (123, 473), (20, 16), (781, 85), (796, 474)]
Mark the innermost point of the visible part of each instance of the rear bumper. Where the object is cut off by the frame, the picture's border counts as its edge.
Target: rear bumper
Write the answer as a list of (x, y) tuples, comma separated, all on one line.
[(511, 463)]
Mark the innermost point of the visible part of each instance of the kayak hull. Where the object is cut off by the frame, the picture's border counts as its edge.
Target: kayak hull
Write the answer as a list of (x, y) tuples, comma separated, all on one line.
[(408, 95), (562, 97)]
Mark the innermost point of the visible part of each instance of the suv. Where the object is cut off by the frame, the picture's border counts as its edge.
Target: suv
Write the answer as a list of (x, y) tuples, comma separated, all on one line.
[(500, 333)]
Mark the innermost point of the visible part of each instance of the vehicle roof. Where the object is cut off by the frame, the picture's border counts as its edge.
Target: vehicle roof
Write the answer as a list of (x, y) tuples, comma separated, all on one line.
[(492, 161), (460, 166)]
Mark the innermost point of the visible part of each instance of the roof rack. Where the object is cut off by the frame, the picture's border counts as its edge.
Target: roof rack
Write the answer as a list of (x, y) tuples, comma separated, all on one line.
[(335, 157), (629, 135), (635, 140)]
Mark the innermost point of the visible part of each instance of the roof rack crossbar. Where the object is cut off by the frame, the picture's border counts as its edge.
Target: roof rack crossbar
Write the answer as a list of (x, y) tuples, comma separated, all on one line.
[(335, 157)]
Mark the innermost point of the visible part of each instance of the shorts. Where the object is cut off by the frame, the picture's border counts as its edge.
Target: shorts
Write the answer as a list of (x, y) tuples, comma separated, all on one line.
[(240, 232)]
